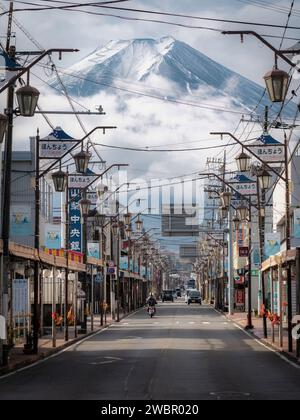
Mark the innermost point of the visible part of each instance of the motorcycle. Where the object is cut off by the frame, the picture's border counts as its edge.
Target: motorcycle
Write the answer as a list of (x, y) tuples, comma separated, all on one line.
[(151, 311)]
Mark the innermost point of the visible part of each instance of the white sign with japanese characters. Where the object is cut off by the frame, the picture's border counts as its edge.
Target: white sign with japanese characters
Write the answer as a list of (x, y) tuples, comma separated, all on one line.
[(269, 153), (51, 149), (81, 181)]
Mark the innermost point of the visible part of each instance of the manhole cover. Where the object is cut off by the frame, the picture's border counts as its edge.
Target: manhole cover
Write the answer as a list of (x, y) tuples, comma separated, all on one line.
[(230, 395)]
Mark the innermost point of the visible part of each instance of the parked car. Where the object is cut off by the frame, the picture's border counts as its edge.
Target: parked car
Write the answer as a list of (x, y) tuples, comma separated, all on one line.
[(194, 297), (167, 296)]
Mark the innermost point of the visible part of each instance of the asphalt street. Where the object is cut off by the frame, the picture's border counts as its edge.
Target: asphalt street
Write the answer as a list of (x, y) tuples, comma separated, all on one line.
[(184, 353)]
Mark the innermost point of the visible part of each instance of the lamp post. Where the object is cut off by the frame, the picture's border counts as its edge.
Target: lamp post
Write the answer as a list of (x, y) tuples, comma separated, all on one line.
[(27, 98), (284, 178), (60, 182), (116, 233)]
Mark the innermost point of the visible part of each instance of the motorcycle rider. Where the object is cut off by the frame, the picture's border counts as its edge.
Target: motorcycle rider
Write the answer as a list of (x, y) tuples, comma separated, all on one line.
[(151, 302)]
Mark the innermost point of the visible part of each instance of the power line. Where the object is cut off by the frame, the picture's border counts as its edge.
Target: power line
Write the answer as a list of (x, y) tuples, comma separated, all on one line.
[(268, 6), (164, 99), (134, 149), (72, 6), (287, 24), (159, 13)]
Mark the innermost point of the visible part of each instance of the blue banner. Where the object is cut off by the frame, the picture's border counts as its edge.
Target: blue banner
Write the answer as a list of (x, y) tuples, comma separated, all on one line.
[(53, 236), (75, 227), (21, 220), (297, 223), (272, 244)]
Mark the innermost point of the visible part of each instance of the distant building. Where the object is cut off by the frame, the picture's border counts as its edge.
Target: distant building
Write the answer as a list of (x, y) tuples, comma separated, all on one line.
[(22, 214)]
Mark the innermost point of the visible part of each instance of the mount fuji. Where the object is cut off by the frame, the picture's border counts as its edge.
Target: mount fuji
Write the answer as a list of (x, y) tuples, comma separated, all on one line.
[(132, 65)]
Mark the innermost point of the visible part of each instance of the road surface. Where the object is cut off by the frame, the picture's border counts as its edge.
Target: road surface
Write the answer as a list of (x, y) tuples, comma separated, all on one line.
[(184, 353)]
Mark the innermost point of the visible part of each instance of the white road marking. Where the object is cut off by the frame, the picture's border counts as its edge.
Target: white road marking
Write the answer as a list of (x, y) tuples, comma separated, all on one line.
[(106, 362), (206, 323)]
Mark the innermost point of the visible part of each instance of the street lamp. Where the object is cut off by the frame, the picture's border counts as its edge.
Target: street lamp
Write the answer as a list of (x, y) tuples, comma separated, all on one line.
[(226, 199), (277, 83), (265, 179), (115, 229), (127, 218), (128, 232), (84, 205), (100, 220), (101, 189), (223, 211), (60, 180), (236, 222), (243, 213), (139, 224), (27, 97), (3, 126), (82, 159), (243, 162)]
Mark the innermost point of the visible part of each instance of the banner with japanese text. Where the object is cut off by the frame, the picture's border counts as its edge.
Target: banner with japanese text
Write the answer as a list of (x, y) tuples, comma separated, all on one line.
[(75, 227)]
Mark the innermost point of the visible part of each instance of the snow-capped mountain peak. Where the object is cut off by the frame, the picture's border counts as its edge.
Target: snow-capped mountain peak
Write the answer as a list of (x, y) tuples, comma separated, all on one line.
[(123, 63)]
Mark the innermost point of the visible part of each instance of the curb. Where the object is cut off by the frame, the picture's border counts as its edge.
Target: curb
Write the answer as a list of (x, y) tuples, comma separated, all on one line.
[(52, 351), (265, 342)]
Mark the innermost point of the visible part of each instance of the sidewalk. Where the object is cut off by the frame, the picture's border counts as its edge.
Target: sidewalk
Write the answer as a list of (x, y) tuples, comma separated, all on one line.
[(17, 359), (258, 332)]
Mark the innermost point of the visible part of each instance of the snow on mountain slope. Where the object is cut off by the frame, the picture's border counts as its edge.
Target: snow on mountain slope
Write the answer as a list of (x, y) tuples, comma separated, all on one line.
[(131, 63)]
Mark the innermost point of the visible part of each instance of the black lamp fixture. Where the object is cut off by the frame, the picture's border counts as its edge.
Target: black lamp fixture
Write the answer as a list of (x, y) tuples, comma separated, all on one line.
[(236, 222), (243, 162), (243, 213), (84, 205), (27, 97), (277, 83), (100, 219), (127, 218), (139, 224), (3, 126), (60, 180), (128, 232), (226, 199), (265, 179), (82, 160), (115, 229), (223, 212), (101, 189)]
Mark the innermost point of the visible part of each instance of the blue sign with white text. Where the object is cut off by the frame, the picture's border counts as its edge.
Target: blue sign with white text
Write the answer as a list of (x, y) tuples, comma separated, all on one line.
[(75, 228)]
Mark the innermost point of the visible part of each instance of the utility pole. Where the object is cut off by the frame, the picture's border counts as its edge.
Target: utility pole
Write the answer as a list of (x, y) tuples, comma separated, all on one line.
[(249, 324), (288, 243), (6, 199), (36, 281)]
